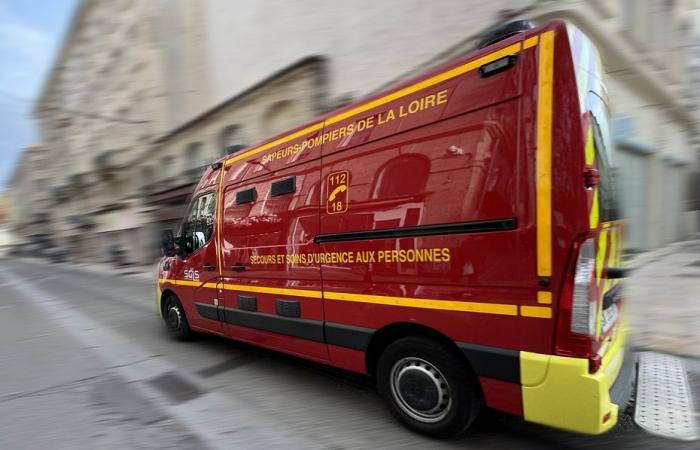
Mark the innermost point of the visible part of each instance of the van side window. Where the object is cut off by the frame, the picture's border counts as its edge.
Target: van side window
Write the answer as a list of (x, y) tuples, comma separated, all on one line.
[(604, 162), (607, 190), (198, 226)]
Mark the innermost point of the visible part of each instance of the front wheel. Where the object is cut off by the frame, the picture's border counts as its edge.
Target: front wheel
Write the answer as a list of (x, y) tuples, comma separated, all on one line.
[(175, 319), (427, 387)]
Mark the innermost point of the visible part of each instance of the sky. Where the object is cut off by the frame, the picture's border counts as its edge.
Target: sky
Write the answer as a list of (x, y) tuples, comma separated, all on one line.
[(30, 36)]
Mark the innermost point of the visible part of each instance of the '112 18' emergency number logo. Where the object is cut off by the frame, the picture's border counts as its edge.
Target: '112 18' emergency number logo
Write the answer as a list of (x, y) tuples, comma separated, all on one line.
[(338, 188)]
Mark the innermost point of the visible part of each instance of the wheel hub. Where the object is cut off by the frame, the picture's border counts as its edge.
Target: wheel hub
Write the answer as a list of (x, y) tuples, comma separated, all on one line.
[(174, 317), (420, 390)]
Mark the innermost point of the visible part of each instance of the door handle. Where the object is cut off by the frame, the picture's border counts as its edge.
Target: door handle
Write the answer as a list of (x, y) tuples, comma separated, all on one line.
[(209, 267), (238, 267)]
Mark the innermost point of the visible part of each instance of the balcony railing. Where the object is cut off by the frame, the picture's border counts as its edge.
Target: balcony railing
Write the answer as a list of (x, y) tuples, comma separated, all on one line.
[(76, 180), (187, 177), (108, 160)]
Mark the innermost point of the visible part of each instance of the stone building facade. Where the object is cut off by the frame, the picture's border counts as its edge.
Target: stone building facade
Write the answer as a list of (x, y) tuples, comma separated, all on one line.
[(29, 205), (143, 94), (177, 158), (99, 111)]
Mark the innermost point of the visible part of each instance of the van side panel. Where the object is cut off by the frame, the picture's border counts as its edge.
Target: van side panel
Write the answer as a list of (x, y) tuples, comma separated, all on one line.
[(459, 171), (296, 146), (271, 297), (443, 93)]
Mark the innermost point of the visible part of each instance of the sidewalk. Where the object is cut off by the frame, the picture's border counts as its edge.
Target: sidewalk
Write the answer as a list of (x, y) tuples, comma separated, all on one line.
[(147, 272), (144, 273), (663, 299)]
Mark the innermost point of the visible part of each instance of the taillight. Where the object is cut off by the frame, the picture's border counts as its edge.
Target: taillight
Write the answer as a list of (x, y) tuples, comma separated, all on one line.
[(578, 308), (584, 305)]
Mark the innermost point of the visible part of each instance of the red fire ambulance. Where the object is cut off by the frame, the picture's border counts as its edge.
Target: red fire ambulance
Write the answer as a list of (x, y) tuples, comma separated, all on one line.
[(454, 236)]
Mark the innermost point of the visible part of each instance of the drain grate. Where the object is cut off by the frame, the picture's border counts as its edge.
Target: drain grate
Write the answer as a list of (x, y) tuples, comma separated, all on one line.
[(664, 405)]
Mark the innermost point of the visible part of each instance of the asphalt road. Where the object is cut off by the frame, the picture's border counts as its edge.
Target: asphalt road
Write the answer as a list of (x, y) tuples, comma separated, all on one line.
[(85, 363)]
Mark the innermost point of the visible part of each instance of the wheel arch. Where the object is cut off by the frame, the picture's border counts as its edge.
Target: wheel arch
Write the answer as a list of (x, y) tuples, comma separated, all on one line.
[(165, 294), (388, 334)]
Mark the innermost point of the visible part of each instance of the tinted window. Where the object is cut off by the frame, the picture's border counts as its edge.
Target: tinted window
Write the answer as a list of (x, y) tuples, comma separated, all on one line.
[(198, 225), (607, 192)]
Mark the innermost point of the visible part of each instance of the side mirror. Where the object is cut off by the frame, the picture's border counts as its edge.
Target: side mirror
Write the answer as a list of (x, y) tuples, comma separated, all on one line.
[(199, 239), (168, 243)]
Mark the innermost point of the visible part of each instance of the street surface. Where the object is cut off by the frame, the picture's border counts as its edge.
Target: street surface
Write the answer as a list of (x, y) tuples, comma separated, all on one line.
[(85, 363), (664, 299)]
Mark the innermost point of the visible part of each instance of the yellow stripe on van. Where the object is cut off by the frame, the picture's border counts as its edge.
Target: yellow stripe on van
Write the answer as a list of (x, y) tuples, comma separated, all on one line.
[(270, 290), (544, 297), (544, 312), (601, 253), (544, 155), (593, 216), (541, 312), (617, 235), (219, 219), (449, 305), (315, 127), (182, 282), (530, 42), (590, 147), (436, 79)]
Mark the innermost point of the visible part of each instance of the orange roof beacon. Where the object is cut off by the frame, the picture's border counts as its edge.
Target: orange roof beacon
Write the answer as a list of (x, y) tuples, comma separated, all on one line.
[(454, 236)]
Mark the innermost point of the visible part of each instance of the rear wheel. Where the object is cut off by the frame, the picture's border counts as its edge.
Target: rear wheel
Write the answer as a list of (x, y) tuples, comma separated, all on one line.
[(427, 387), (175, 319)]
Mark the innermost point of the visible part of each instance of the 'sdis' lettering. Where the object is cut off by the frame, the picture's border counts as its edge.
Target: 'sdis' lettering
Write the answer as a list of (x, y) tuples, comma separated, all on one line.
[(191, 274)]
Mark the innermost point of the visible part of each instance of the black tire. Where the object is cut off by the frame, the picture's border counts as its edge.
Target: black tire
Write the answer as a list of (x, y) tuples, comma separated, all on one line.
[(413, 376), (175, 319)]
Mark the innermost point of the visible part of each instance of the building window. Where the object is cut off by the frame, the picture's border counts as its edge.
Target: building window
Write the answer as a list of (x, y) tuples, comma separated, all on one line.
[(167, 167), (146, 175), (280, 116), (40, 185), (193, 155), (230, 137)]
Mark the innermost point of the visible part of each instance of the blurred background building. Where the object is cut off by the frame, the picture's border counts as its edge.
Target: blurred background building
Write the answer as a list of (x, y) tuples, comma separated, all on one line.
[(142, 95), (5, 235), (28, 200)]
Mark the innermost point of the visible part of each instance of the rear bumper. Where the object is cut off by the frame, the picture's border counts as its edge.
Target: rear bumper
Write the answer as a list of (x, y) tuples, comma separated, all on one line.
[(560, 392), (623, 387)]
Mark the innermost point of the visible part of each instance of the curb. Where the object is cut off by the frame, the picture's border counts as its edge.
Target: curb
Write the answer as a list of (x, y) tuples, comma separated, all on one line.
[(640, 259), (132, 272)]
